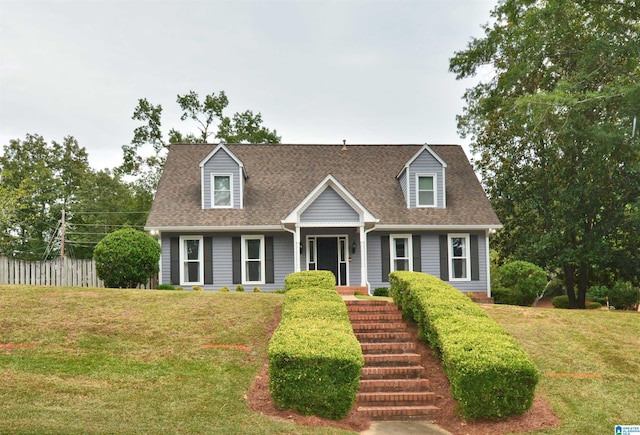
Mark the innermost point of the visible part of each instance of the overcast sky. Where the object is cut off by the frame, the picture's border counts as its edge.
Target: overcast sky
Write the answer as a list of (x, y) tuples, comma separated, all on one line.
[(318, 71)]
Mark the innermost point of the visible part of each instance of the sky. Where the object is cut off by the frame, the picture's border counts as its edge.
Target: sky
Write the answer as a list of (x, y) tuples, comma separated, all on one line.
[(319, 71)]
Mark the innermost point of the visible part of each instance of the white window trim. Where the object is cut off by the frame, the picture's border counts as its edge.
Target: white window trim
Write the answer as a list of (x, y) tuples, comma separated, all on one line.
[(200, 259), (467, 256), (213, 177), (244, 260), (435, 190), (392, 250)]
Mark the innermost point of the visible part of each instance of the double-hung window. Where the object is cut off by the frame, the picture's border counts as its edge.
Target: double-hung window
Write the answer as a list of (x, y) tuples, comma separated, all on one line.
[(401, 252), (426, 190), (253, 265), (191, 261), (459, 261), (221, 190)]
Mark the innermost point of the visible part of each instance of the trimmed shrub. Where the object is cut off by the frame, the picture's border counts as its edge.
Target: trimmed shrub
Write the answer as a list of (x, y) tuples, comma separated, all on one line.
[(256, 290), (598, 293), (197, 288), (560, 302), (381, 291), (314, 357), (624, 296), (239, 288), (490, 375), (310, 278), (525, 280), (502, 295), (165, 287), (224, 289), (592, 305), (127, 258)]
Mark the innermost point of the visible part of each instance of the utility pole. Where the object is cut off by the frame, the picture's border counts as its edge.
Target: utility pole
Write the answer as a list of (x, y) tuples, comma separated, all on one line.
[(62, 235)]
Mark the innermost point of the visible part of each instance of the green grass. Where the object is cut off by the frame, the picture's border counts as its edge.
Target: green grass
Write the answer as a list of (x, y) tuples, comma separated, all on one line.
[(127, 361), (605, 343)]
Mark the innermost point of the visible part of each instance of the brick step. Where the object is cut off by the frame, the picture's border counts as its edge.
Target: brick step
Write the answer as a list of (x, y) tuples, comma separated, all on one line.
[(351, 290), (399, 412), (385, 348), (378, 308), (367, 302), (378, 327), (382, 337), (390, 385), (397, 398), (375, 317), (390, 372), (392, 359)]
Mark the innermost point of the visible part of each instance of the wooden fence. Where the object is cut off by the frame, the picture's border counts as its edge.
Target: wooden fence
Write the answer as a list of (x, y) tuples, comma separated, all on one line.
[(64, 272)]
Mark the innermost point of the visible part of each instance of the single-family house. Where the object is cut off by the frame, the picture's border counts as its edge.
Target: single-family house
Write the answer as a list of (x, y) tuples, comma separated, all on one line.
[(250, 214)]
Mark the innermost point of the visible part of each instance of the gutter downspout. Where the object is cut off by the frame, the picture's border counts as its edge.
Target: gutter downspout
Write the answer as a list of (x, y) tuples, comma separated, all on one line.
[(296, 246)]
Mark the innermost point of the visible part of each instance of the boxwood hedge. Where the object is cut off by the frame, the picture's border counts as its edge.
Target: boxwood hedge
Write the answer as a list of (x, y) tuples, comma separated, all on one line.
[(490, 375), (315, 359), (310, 278)]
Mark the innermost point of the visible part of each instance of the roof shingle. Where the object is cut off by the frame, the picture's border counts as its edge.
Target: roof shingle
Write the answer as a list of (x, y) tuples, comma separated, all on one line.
[(281, 176)]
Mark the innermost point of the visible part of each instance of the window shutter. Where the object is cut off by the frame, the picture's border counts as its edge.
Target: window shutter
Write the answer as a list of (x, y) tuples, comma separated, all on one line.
[(236, 259), (268, 259), (208, 260), (475, 261), (444, 258), (174, 258), (385, 258), (417, 253)]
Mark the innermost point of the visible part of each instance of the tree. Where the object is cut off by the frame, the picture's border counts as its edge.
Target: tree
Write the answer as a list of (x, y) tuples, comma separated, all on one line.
[(245, 127), (127, 258), (40, 180), (552, 128)]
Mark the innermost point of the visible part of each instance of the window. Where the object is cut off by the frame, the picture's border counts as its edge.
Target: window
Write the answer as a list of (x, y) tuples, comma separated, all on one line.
[(426, 190), (221, 190), (401, 251), (459, 263), (191, 270), (253, 260)]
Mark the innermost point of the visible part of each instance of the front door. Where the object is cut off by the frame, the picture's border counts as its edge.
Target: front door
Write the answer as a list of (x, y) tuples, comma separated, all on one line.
[(328, 254)]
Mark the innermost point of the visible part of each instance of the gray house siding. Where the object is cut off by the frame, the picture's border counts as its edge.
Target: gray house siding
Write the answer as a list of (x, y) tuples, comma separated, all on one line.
[(426, 164), (430, 259), (222, 163), (222, 259), (329, 207)]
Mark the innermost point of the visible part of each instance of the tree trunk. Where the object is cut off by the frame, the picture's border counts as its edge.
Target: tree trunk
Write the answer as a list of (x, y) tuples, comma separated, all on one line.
[(569, 283), (583, 284)]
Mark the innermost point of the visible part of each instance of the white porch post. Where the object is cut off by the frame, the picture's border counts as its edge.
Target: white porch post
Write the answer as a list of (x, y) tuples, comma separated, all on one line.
[(363, 257), (296, 249)]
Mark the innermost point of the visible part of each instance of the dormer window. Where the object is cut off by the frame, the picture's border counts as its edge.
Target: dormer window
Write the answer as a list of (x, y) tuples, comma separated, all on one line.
[(221, 190), (426, 186)]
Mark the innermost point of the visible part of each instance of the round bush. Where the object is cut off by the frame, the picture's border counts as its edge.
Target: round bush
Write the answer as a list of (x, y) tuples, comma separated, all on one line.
[(381, 291), (560, 302), (127, 258), (624, 296), (524, 279), (598, 293)]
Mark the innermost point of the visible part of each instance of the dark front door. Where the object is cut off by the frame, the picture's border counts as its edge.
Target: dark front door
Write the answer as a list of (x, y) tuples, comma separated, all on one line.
[(328, 254)]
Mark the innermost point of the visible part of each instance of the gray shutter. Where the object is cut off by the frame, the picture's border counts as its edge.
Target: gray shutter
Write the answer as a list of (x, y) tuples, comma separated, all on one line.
[(385, 258), (417, 253), (475, 261), (208, 260), (174, 259), (444, 258), (236, 259), (268, 260)]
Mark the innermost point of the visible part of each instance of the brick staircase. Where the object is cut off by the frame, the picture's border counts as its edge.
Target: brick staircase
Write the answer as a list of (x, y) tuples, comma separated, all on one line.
[(392, 385)]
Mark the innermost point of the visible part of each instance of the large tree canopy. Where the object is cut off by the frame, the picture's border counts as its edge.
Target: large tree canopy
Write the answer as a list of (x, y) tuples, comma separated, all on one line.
[(553, 129), (245, 127)]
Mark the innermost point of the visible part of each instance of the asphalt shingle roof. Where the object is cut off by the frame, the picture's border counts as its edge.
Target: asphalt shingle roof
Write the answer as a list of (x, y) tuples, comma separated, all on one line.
[(281, 176)]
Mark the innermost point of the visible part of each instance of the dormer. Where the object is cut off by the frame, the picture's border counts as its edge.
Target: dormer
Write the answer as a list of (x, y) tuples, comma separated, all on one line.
[(223, 178), (423, 180)]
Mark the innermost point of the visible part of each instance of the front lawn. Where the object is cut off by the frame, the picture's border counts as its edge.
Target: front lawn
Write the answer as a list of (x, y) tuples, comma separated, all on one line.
[(76, 360)]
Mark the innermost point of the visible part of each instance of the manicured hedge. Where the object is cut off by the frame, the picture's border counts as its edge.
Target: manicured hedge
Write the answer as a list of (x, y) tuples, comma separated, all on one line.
[(315, 359), (310, 278), (490, 375)]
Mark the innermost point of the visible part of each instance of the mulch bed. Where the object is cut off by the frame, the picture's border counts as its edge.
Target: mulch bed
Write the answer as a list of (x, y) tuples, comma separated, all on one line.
[(540, 416)]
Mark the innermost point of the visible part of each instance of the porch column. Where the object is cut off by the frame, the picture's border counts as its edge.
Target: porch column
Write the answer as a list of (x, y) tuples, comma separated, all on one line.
[(296, 249), (363, 257)]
